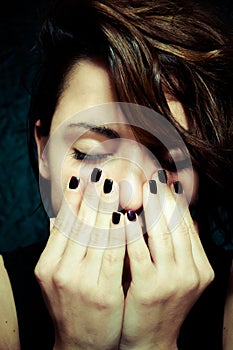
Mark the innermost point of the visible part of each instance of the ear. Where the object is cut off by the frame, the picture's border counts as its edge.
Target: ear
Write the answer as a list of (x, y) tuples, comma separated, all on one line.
[(41, 142)]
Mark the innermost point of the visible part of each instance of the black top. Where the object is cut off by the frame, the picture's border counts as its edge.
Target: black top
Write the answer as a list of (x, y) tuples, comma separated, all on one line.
[(35, 325), (202, 329)]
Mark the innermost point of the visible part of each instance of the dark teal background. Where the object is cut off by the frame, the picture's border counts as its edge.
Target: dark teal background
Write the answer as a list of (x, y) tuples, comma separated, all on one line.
[(20, 223)]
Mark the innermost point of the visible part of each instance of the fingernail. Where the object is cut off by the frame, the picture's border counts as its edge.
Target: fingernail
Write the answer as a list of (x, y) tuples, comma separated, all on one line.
[(178, 187), (108, 185), (96, 174), (74, 182), (131, 215), (153, 186), (116, 217), (162, 176)]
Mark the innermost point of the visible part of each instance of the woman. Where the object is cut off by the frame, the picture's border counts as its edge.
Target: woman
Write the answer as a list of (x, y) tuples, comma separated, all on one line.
[(117, 169)]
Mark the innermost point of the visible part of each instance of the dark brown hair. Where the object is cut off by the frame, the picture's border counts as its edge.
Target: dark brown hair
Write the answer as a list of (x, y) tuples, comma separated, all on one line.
[(153, 50)]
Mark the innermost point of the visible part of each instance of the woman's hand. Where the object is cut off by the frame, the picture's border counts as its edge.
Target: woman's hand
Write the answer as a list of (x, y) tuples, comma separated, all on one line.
[(80, 270), (168, 277)]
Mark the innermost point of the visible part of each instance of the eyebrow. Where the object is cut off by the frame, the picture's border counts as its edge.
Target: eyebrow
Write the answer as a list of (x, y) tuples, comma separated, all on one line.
[(102, 130)]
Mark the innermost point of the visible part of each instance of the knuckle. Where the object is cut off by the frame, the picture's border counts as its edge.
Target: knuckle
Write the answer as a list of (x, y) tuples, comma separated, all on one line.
[(153, 298), (42, 273), (91, 198), (180, 225), (192, 285), (95, 296), (147, 298), (101, 301), (191, 282), (164, 237), (140, 257), (209, 277), (39, 275), (61, 281), (156, 293), (99, 237), (111, 258), (169, 292)]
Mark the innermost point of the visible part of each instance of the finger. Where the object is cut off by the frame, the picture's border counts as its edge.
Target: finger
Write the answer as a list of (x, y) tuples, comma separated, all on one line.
[(140, 260), (198, 251), (86, 216), (113, 256), (82, 226), (108, 203), (62, 224), (159, 238), (98, 242), (179, 229), (198, 265)]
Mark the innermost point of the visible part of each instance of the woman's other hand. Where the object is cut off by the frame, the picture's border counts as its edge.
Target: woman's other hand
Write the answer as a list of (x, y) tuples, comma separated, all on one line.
[(168, 276)]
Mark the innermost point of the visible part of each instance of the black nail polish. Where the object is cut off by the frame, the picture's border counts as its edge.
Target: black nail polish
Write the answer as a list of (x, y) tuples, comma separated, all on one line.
[(131, 215), (116, 217), (108, 185), (162, 176), (153, 186), (74, 182), (178, 187), (96, 174)]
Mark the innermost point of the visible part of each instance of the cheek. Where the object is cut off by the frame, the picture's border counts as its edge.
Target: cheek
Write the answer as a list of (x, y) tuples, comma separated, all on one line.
[(60, 177), (61, 174), (57, 193)]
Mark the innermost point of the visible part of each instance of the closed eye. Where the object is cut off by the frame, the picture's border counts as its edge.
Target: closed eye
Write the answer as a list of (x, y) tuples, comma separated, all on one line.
[(78, 155), (175, 166)]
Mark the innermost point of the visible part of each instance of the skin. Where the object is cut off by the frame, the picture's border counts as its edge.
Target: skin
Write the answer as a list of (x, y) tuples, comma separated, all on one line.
[(89, 95), (9, 338), (228, 319), (91, 306)]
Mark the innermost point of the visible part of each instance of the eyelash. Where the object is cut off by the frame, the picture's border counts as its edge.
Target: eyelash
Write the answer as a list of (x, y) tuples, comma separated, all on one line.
[(168, 165), (175, 166), (89, 157)]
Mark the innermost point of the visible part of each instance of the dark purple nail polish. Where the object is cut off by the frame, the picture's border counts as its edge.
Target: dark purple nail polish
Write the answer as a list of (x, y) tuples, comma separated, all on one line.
[(108, 185), (162, 176), (96, 174), (74, 182), (153, 186), (116, 217), (178, 187), (131, 215)]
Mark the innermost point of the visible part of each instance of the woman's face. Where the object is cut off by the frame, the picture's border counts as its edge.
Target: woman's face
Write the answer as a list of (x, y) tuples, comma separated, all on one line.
[(89, 131)]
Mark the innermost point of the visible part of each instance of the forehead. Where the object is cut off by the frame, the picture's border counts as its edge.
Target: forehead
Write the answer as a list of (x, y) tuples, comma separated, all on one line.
[(88, 85)]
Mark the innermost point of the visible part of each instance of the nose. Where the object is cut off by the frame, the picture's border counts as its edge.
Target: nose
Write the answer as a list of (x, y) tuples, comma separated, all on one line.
[(131, 176), (131, 191)]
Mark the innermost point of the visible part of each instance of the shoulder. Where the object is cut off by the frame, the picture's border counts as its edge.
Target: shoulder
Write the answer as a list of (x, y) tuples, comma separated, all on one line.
[(8, 320), (228, 318)]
